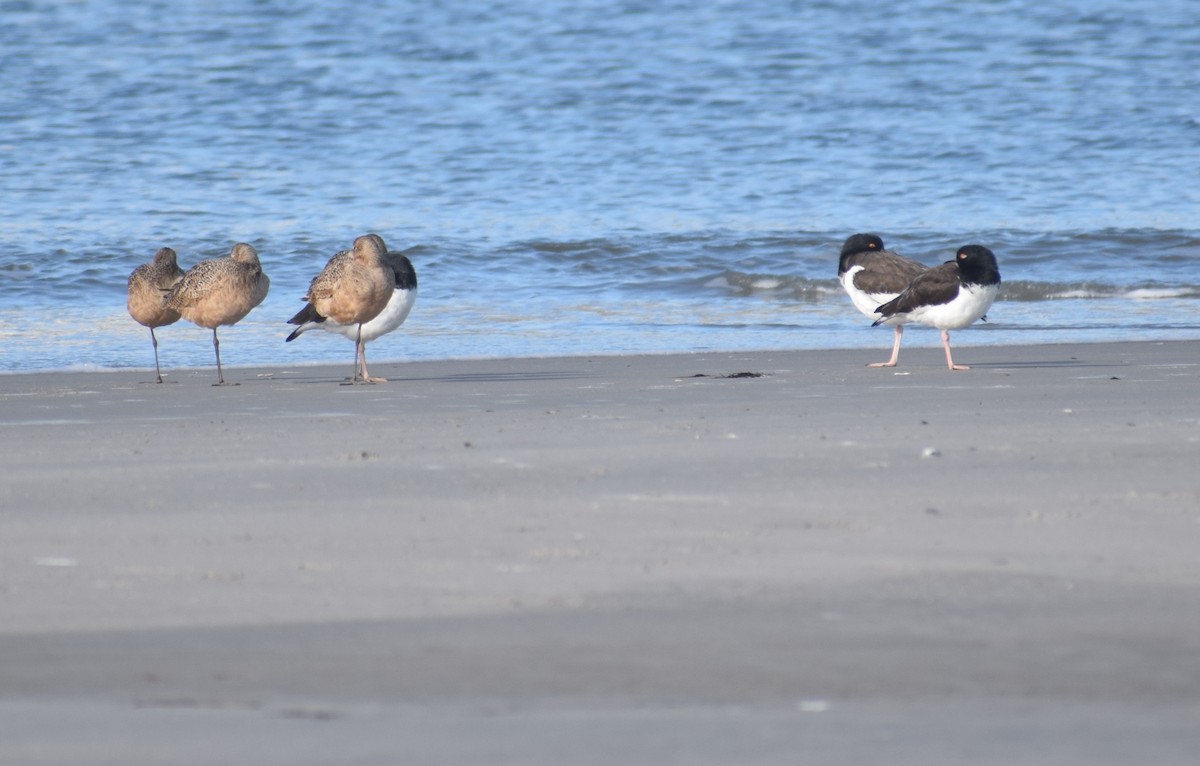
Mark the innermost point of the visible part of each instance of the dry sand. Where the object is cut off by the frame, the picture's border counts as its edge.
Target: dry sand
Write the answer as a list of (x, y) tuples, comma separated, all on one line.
[(608, 561)]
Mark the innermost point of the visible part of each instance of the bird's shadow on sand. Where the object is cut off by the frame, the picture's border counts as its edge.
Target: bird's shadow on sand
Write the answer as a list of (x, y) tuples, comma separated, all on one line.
[(503, 377), (465, 377), (1037, 364)]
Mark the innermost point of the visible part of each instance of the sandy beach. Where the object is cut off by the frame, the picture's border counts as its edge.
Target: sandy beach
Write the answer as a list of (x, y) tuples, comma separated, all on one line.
[(767, 558)]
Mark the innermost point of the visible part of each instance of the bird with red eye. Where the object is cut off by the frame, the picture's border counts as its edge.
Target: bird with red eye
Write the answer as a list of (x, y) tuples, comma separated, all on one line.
[(949, 297)]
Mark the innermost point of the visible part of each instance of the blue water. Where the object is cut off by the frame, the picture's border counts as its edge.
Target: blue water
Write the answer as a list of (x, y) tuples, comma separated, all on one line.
[(597, 177)]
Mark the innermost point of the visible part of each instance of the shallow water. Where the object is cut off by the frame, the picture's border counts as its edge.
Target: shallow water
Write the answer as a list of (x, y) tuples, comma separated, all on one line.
[(614, 177)]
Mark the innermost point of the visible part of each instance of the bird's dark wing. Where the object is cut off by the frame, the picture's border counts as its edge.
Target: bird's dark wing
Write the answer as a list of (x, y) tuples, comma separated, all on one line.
[(930, 288), (307, 314), (885, 272)]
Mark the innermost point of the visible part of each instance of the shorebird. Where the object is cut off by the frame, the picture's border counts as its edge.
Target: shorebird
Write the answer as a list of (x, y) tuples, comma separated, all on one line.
[(872, 275), (950, 296), (147, 284), (404, 295), (220, 291), (354, 287)]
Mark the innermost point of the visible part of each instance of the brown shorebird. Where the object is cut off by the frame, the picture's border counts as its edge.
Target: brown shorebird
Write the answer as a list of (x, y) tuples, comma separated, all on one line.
[(352, 289), (392, 316), (220, 291), (147, 284)]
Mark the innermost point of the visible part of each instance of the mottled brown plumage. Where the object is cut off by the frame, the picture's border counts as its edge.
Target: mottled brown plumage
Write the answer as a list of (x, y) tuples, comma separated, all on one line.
[(220, 291), (393, 315), (147, 284), (353, 288)]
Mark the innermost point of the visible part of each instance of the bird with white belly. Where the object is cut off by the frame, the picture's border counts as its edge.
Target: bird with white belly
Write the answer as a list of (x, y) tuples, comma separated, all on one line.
[(361, 294), (872, 275), (949, 297)]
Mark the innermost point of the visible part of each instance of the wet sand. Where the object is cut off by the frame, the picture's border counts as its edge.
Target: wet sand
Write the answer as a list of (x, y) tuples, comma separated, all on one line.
[(608, 560)]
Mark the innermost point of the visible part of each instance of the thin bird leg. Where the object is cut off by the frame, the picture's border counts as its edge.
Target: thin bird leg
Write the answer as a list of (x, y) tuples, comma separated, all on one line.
[(366, 376), (357, 352), (949, 359), (895, 350), (154, 342), (217, 350)]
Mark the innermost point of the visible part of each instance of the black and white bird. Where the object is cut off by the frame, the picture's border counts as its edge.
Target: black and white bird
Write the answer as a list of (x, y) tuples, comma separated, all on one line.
[(398, 307), (872, 275), (949, 297)]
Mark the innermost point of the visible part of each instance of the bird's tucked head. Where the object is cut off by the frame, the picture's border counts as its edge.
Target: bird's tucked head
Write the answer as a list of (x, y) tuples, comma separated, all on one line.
[(370, 248), (243, 253), (861, 243), (166, 257), (858, 243), (977, 265)]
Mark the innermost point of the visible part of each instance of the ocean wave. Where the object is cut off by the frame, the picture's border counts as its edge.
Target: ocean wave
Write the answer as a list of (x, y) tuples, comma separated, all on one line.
[(1027, 290), (801, 288), (780, 265)]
